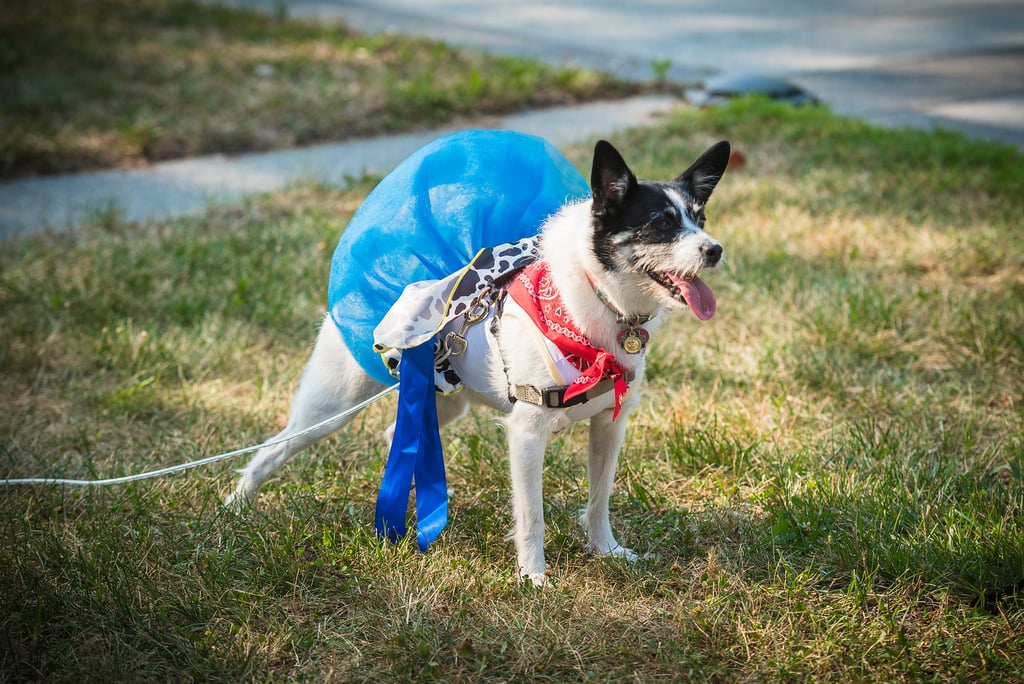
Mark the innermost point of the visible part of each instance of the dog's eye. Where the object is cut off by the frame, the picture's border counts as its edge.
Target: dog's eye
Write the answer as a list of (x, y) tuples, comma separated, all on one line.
[(662, 223)]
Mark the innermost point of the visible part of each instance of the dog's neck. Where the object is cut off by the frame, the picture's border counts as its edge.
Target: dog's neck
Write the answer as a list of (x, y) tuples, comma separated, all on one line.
[(611, 304)]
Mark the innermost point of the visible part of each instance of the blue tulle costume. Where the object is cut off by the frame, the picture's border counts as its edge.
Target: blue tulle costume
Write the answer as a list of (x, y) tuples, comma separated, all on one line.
[(432, 214)]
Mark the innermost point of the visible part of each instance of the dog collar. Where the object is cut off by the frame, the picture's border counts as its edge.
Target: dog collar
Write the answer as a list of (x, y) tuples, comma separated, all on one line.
[(632, 338)]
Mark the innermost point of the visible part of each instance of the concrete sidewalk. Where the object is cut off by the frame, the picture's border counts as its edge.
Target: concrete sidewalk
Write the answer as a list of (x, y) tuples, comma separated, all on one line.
[(188, 186)]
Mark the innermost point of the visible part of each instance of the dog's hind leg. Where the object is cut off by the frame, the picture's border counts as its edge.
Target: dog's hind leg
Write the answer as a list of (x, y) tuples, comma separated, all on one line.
[(331, 383)]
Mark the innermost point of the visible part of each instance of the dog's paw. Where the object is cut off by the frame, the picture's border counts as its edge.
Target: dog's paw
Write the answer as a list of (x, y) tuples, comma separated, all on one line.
[(628, 555), (237, 501), (537, 579), (618, 551)]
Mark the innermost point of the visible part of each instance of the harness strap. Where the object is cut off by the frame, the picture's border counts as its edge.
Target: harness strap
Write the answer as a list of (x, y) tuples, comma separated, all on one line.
[(554, 397)]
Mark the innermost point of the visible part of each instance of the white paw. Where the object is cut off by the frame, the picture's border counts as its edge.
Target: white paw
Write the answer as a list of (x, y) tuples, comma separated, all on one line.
[(237, 501), (537, 579), (618, 551), (628, 555)]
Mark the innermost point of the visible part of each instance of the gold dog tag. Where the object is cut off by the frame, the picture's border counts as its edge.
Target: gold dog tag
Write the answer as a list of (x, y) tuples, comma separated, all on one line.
[(633, 340)]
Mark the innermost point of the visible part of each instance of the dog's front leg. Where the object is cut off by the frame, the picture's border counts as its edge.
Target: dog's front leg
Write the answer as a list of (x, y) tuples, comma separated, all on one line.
[(527, 443), (606, 437)]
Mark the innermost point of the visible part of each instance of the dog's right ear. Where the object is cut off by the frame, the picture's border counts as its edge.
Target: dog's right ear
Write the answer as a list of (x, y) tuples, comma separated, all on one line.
[(610, 179)]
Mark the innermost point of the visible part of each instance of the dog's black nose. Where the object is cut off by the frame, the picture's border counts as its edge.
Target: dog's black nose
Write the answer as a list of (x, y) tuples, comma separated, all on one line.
[(712, 252)]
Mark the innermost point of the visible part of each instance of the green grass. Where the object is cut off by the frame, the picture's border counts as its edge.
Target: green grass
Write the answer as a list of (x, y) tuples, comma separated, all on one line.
[(826, 481), (99, 83)]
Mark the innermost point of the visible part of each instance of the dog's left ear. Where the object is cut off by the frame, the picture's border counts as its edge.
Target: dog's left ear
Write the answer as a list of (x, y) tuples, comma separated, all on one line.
[(704, 174), (610, 179)]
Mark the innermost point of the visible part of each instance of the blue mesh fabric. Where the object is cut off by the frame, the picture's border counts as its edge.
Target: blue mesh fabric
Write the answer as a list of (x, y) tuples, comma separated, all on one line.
[(432, 214)]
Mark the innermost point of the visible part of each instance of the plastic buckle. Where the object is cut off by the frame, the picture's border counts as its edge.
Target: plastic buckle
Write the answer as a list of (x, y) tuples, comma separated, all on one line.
[(554, 397)]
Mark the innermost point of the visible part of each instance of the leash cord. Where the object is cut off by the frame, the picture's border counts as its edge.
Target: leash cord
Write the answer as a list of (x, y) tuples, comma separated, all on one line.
[(195, 464)]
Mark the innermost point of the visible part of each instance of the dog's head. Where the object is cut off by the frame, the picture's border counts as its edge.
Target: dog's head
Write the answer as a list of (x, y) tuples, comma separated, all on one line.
[(654, 231)]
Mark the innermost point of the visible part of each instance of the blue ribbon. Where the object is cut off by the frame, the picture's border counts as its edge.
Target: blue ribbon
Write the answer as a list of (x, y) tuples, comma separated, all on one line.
[(415, 451)]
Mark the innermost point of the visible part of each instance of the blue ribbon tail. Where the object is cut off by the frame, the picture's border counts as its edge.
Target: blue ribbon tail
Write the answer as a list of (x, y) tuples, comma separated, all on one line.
[(431, 485), (415, 451)]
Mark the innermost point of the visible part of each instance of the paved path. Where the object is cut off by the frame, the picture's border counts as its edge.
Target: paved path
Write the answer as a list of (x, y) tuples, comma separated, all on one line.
[(954, 63), (187, 186)]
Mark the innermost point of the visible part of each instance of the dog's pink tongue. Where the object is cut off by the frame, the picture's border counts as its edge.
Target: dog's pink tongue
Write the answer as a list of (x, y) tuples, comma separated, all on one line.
[(699, 296)]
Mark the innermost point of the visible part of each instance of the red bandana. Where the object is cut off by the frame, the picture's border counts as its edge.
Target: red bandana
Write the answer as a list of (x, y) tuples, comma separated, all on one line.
[(534, 291)]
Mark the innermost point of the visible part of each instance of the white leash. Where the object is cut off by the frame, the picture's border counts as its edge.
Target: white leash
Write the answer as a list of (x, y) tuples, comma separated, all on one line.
[(195, 464)]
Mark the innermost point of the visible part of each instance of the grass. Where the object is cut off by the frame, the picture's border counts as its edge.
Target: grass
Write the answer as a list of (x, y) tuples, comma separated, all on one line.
[(825, 481), (101, 83)]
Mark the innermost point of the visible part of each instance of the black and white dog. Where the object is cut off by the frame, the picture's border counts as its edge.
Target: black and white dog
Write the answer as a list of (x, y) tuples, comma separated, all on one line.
[(616, 261)]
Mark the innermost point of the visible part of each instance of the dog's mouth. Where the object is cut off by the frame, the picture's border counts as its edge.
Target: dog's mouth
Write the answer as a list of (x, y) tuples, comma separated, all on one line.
[(691, 291)]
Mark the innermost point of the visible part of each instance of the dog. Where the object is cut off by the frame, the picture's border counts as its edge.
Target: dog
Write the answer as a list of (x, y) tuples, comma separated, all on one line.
[(618, 261)]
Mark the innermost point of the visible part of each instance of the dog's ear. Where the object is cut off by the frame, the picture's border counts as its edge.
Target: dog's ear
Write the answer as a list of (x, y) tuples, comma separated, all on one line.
[(704, 174), (610, 179)]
